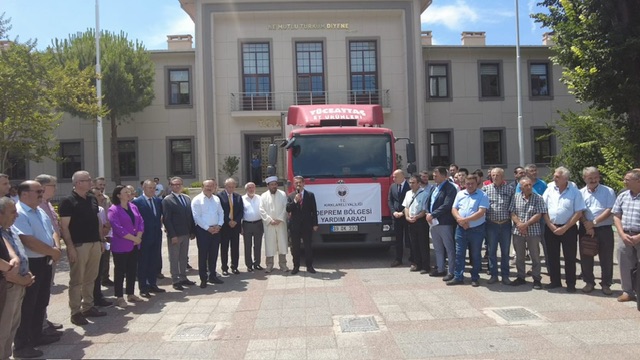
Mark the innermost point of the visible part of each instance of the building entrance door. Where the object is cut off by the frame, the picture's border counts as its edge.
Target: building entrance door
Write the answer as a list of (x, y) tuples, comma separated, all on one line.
[(257, 157)]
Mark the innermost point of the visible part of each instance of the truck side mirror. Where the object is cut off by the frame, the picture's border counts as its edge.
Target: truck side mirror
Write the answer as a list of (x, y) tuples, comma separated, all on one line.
[(411, 152), (272, 156)]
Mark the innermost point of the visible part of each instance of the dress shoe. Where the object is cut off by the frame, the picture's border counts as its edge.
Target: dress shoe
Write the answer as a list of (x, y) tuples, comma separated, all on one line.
[(177, 286), (160, 276), (571, 289), (587, 288), (269, 269), (225, 272), (396, 263), (189, 267), (475, 283), (54, 325), (102, 302), (413, 268), (626, 297), (134, 298), (518, 281), (203, 284), (423, 272), (311, 270), (552, 286), (145, 294), (537, 285), (76, 319), (249, 268), (492, 280), (49, 331), (295, 271), (447, 277), (284, 269), (455, 282), (235, 271), (156, 290), (187, 282), (606, 290), (506, 281), (107, 282), (93, 312), (121, 303), (436, 273), (258, 267), (215, 280), (27, 353)]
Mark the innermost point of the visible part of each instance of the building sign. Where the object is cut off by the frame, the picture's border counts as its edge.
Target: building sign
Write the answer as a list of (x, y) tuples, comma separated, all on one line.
[(328, 26), (347, 203)]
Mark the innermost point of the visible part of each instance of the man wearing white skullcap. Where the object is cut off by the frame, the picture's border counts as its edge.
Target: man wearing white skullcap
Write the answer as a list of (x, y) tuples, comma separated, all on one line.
[(273, 204)]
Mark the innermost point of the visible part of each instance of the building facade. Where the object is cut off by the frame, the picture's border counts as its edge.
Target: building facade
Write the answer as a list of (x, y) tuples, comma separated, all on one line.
[(228, 96)]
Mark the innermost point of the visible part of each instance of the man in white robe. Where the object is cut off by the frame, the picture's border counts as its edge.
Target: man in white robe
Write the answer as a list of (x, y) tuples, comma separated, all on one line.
[(273, 204)]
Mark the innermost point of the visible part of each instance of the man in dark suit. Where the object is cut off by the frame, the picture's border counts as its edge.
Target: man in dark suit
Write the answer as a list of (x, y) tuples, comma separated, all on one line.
[(303, 212), (230, 233), (438, 207), (178, 222), (397, 192), (150, 257)]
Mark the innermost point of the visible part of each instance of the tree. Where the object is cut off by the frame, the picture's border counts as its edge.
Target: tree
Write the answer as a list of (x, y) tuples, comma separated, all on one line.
[(592, 139), (33, 91), (598, 43), (127, 77)]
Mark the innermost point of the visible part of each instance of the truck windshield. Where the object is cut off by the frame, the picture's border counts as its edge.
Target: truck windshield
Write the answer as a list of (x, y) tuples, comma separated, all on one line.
[(326, 156)]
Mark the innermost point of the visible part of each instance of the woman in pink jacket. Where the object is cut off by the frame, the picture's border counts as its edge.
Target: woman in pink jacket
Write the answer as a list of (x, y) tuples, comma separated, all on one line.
[(127, 226)]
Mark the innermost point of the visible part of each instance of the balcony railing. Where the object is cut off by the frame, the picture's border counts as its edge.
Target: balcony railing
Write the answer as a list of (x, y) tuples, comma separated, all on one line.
[(280, 101)]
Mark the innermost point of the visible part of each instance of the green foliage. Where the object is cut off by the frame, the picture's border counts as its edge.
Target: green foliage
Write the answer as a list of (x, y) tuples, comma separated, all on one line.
[(230, 166), (593, 139), (196, 184), (598, 43), (34, 89), (127, 75)]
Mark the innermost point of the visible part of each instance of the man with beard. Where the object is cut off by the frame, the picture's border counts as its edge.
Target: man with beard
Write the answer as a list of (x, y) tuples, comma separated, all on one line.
[(273, 211)]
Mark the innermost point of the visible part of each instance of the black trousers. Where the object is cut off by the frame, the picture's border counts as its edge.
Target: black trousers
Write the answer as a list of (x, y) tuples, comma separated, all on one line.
[(105, 262), (3, 292), (229, 237), (569, 243), (252, 237), (606, 244), (305, 236), (34, 304), (401, 229), (208, 245), (125, 265), (420, 251)]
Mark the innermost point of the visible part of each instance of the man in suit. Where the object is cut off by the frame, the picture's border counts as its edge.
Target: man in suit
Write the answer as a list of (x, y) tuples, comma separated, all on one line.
[(178, 222), (150, 257), (438, 208), (397, 192), (230, 233), (303, 212)]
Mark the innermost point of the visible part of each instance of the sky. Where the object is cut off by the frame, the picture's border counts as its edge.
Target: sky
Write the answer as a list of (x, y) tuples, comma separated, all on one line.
[(152, 20)]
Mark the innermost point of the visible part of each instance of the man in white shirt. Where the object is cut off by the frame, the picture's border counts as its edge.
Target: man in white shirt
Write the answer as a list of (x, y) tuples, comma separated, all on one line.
[(273, 211), (209, 217), (252, 228)]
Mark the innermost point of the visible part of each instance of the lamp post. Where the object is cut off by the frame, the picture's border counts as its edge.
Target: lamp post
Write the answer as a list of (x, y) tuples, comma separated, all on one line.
[(99, 134), (519, 90)]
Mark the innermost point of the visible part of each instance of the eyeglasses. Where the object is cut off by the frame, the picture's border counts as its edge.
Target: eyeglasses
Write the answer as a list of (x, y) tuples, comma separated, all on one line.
[(176, 184)]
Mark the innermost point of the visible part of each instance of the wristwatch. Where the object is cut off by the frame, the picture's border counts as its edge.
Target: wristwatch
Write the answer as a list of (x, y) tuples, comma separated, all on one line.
[(595, 222)]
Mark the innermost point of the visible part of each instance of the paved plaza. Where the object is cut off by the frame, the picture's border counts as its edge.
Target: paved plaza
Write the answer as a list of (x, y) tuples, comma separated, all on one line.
[(355, 307)]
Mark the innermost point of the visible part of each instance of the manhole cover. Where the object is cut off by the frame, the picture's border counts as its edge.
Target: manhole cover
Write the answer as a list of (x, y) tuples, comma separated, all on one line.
[(192, 332), (358, 324), (513, 315)]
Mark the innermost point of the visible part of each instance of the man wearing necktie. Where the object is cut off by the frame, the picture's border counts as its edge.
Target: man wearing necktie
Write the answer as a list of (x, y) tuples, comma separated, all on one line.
[(301, 205), (178, 222), (230, 233), (397, 192), (150, 257)]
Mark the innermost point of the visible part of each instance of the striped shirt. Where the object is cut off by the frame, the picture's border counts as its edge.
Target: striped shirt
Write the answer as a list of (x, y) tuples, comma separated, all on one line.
[(526, 209), (628, 206), (499, 201)]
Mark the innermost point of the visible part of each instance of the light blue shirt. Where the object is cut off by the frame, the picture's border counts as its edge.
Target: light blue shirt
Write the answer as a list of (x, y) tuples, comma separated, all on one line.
[(434, 194), (562, 206), (597, 202), (539, 187), (416, 205), (36, 223), (468, 204), (18, 248)]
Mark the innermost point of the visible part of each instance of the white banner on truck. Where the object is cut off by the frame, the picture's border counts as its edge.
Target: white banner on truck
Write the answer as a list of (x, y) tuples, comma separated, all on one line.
[(347, 203)]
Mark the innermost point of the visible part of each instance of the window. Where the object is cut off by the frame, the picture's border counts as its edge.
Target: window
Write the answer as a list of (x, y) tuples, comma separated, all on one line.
[(310, 73), (539, 75), (493, 147), (16, 167), (71, 158), (543, 145), (363, 72), (440, 146), (179, 87), (438, 81), (127, 155), (256, 76), (490, 80), (181, 161)]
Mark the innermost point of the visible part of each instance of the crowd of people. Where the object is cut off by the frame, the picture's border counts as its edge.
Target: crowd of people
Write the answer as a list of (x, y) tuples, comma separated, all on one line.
[(456, 214)]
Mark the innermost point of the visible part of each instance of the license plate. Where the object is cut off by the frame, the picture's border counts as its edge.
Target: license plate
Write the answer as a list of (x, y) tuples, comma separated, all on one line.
[(344, 228)]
